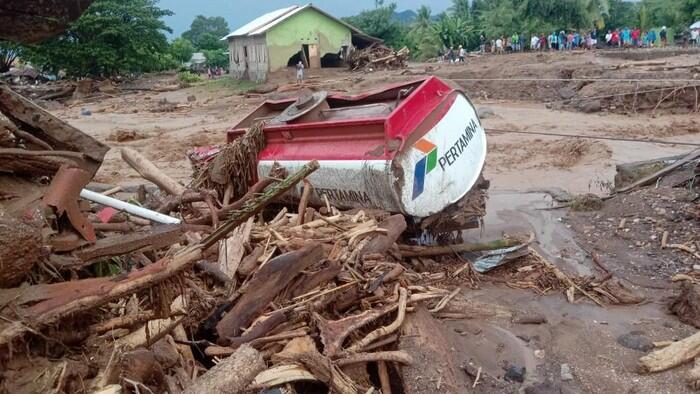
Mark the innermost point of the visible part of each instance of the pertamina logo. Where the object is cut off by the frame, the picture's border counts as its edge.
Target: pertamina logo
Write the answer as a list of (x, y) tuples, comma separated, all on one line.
[(424, 165)]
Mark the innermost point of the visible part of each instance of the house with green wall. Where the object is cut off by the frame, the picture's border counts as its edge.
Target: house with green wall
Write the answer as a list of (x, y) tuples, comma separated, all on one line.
[(282, 38)]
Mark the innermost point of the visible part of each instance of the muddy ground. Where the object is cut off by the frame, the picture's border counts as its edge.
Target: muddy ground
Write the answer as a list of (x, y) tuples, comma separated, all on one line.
[(581, 337)]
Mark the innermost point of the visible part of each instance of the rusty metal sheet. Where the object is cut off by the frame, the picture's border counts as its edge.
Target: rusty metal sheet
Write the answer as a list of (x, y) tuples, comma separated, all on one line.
[(63, 194)]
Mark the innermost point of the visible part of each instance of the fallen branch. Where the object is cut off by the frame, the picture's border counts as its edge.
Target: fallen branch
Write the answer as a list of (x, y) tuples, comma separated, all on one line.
[(671, 356), (653, 177), (398, 356), (266, 283), (230, 376), (150, 172), (428, 251), (386, 330)]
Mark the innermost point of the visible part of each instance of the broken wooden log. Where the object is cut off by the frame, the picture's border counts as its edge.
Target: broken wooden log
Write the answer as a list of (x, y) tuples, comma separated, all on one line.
[(687, 305), (149, 171), (428, 251), (20, 250), (673, 355), (250, 262), (257, 188), (57, 133), (321, 367), (266, 283), (159, 237), (421, 337), (653, 177), (230, 376), (333, 333), (256, 204), (66, 298), (379, 243), (398, 356), (386, 330)]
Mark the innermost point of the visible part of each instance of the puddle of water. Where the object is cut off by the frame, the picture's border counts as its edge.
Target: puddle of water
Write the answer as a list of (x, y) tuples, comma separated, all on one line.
[(523, 213)]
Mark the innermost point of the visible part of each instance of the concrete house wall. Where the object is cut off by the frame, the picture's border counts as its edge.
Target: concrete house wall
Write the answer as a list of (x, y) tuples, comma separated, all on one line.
[(257, 57), (309, 26)]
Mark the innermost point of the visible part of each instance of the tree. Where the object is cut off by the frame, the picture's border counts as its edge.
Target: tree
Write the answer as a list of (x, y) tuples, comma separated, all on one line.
[(206, 32), (216, 57), (8, 54), (380, 23), (427, 43), (182, 49), (461, 8), (452, 30), (623, 13), (111, 37)]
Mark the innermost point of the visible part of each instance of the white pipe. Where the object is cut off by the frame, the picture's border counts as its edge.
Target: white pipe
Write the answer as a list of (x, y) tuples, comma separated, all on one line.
[(129, 208)]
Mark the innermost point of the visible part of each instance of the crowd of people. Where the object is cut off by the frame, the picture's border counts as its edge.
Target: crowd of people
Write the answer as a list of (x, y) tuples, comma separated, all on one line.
[(562, 41)]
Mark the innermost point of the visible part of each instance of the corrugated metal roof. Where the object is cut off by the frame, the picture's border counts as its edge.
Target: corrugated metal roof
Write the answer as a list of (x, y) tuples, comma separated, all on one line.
[(265, 22), (261, 21)]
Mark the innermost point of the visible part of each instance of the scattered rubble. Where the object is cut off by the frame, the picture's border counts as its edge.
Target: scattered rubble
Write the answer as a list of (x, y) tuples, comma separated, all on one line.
[(378, 57)]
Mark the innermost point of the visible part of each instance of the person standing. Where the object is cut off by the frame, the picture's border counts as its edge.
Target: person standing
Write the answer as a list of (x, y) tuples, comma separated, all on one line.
[(608, 38), (300, 73), (562, 40), (534, 43), (635, 37), (664, 37), (694, 36), (482, 43), (652, 38), (499, 46), (594, 38), (543, 42), (462, 54), (615, 39)]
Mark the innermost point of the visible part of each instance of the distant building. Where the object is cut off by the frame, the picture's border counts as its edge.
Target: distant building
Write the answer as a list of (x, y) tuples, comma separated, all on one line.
[(197, 62), (282, 38)]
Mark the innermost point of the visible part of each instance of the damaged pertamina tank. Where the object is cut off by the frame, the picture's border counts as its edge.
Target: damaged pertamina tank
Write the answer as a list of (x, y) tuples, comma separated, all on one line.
[(416, 148)]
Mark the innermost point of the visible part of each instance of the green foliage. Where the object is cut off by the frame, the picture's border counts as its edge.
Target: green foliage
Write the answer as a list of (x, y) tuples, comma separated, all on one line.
[(8, 54), (216, 58), (380, 23), (623, 13), (677, 14), (181, 49), (188, 77), (426, 42), (206, 32), (111, 37), (452, 30)]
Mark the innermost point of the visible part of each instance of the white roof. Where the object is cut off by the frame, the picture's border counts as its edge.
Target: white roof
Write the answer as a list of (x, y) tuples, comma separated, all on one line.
[(265, 22), (261, 22)]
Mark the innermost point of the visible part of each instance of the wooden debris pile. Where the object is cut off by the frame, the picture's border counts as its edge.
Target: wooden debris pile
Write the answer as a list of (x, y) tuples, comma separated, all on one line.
[(378, 57)]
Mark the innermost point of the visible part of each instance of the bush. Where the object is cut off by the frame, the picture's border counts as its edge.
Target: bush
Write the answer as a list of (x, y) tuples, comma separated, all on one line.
[(188, 77)]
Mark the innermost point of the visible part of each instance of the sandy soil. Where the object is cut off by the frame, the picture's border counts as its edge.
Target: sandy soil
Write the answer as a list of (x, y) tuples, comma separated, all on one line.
[(580, 335)]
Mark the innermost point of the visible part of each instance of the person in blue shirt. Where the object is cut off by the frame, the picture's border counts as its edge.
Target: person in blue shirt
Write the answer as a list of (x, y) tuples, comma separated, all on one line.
[(652, 38), (626, 37)]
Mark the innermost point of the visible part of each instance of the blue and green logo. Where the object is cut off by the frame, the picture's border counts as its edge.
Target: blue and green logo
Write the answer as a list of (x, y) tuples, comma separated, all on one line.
[(424, 166)]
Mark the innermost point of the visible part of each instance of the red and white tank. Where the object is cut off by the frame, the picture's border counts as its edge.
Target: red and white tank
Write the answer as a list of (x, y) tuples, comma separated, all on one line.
[(413, 148)]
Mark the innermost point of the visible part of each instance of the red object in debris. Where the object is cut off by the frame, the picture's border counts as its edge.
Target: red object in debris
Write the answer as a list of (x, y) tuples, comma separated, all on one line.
[(414, 147), (106, 214)]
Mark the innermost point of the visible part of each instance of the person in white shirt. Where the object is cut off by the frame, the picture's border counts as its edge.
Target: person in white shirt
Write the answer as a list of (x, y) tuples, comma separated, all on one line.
[(694, 35), (499, 45), (534, 42)]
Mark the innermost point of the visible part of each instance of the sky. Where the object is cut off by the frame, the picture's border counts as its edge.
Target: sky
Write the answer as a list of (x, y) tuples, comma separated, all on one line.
[(239, 12)]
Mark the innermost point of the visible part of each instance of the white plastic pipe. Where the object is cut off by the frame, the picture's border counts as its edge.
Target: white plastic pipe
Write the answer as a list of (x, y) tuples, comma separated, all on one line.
[(129, 208)]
